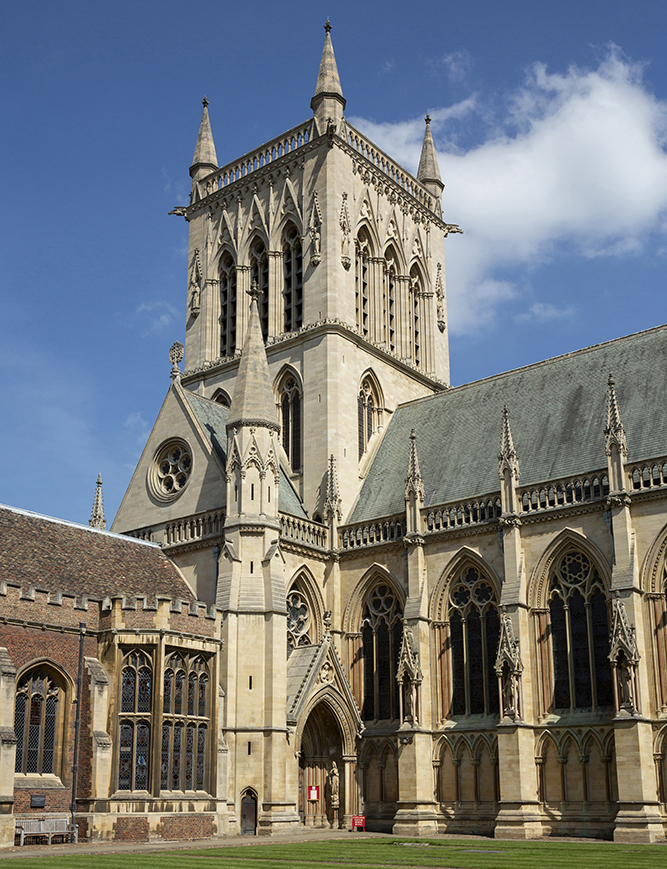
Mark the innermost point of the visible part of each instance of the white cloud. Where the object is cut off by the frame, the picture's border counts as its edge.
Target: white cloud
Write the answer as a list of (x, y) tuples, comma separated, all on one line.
[(458, 64), (160, 315), (543, 312), (577, 158)]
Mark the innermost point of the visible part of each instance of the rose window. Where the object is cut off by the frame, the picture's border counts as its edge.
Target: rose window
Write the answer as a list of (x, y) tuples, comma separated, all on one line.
[(171, 470)]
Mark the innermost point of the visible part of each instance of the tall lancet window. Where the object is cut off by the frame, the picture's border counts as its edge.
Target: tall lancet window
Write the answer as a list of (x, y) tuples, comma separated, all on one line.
[(381, 631), (293, 280), (361, 289), (579, 634), (368, 413), (134, 743), (38, 722), (416, 290), (289, 396), (474, 631), (389, 299), (227, 306), (259, 271)]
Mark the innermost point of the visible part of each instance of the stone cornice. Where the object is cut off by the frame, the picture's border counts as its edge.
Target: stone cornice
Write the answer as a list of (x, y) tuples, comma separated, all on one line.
[(319, 327)]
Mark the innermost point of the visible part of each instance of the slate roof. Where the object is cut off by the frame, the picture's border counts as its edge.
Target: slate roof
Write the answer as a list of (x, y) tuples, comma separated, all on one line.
[(558, 411), (54, 555), (213, 419)]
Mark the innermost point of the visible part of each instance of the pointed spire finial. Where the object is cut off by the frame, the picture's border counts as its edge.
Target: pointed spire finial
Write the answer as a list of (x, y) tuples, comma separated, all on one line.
[(508, 459), (332, 502), (205, 155), (176, 357), (614, 432), (328, 101), (414, 483), (97, 519), (254, 292), (429, 172)]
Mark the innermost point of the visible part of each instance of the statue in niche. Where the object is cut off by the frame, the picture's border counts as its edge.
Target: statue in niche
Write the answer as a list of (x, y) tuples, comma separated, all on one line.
[(334, 785), (195, 298)]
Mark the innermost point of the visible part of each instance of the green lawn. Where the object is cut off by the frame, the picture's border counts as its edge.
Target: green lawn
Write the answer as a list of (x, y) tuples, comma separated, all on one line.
[(377, 853)]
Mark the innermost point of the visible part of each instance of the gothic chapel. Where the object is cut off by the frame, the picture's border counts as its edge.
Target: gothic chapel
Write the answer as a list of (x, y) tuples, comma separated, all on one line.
[(336, 585)]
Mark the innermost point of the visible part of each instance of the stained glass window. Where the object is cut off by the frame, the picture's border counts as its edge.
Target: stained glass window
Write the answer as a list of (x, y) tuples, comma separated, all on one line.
[(135, 742), (298, 621), (37, 718), (290, 410), (474, 633), (381, 634), (292, 280), (183, 733), (579, 634)]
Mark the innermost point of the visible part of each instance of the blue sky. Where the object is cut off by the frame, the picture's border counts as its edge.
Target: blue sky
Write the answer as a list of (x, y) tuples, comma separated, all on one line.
[(550, 123)]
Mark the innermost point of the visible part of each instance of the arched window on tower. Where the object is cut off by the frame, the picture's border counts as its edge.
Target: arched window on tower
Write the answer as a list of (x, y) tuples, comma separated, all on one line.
[(416, 300), (290, 401), (293, 280), (579, 630), (259, 271), (361, 288), (474, 632), (227, 306), (368, 413), (389, 298), (381, 631), (38, 722), (134, 744)]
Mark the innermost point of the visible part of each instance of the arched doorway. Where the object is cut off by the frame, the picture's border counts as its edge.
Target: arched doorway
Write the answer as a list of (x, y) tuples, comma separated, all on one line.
[(321, 766), (248, 814)]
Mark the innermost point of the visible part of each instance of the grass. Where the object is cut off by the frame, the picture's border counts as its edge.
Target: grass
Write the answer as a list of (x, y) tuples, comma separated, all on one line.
[(376, 853)]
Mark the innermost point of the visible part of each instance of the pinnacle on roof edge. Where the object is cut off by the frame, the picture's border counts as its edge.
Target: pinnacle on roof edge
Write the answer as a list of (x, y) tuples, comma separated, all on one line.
[(97, 519), (205, 147)]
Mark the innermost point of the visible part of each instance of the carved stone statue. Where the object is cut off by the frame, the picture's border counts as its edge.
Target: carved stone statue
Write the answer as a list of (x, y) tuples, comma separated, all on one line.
[(334, 785)]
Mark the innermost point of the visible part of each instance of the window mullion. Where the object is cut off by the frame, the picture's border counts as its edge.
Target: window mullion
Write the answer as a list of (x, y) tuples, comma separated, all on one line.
[(591, 652), (570, 660)]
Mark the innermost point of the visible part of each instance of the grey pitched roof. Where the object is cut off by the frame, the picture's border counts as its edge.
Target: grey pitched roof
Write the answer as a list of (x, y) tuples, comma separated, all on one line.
[(558, 414), (213, 419)]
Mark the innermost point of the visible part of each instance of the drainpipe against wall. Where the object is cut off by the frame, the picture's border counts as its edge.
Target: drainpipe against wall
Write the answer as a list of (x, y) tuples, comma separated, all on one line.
[(77, 725)]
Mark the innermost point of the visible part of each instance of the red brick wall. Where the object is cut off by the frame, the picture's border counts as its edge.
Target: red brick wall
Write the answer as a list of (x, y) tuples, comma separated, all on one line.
[(187, 826), (133, 828)]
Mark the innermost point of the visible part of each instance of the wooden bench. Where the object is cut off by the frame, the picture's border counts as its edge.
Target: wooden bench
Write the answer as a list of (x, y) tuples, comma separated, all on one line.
[(46, 827)]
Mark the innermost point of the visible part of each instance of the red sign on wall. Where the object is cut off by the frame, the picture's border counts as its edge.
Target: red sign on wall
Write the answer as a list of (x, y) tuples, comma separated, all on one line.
[(313, 792)]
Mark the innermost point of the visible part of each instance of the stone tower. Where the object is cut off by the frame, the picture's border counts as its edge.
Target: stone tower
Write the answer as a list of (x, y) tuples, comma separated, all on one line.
[(346, 248)]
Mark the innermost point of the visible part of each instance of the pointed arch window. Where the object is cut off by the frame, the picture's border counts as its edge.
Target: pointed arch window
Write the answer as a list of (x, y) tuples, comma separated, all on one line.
[(259, 271), (361, 287), (389, 299), (227, 306), (368, 413), (416, 300), (293, 280), (579, 632), (299, 627), (474, 633), (135, 722), (185, 724), (381, 630), (289, 397), (38, 722)]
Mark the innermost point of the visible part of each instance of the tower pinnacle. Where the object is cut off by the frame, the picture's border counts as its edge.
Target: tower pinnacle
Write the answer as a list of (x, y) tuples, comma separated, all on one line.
[(429, 172), (97, 519), (328, 101), (205, 157), (253, 402)]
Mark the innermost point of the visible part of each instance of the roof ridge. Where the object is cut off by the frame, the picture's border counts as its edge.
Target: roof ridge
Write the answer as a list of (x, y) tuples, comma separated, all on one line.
[(70, 524), (452, 389)]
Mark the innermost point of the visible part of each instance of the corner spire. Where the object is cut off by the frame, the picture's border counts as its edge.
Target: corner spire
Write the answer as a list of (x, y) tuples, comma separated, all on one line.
[(205, 155), (253, 402), (508, 468), (328, 101), (429, 172), (97, 519)]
